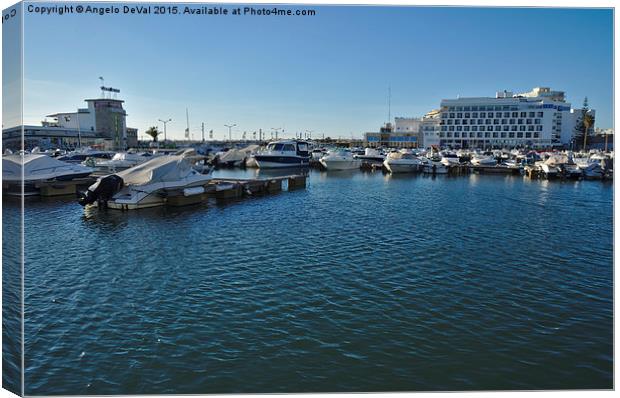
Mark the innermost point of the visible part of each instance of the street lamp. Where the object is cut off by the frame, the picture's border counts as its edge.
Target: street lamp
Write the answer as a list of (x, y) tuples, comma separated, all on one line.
[(276, 129), (165, 122), (230, 126)]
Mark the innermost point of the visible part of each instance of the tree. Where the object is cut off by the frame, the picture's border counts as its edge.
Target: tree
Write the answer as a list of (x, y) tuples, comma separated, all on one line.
[(584, 124), (153, 133)]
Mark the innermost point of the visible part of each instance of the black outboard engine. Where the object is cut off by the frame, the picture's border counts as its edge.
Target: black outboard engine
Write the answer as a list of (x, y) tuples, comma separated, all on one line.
[(102, 190)]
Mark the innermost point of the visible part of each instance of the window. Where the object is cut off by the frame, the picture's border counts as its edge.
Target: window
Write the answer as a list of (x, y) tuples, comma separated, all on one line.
[(457, 121), (539, 114), (530, 128), (466, 108), (528, 121), (512, 121), (538, 128), (480, 121), (527, 135), (459, 115), (472, 134), (289, 147), (495, 121), (532, 114), (459, 108), (467, 115), (474, 115), (474, 128), (498, 108), (483, 114), (464, 121), (506, 128), (519, 135), (487, 121), (511, 135), (487, 135), (536, 121), (449, 135), (513, 128), (481, 128), (503, 135), (515, 114), (504, 121), (450, 128), (452, 115), (521, 128), (466, 128), (444, 128), (523, 114), (498, 128), (479, 135), (457, 135), (536, 135), (495, 134), (506, 114), (474, 108), (459, 128), (520, 121)]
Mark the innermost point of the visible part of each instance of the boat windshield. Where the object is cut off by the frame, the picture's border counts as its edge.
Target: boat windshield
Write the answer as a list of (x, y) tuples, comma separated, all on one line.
[(275, 147)]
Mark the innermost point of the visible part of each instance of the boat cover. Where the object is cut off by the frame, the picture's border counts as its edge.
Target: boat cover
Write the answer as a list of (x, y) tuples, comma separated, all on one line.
[(38, 167), (160, 169)]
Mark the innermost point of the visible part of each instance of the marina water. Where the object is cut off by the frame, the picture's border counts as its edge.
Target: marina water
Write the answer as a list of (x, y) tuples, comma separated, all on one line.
[(360, 282)]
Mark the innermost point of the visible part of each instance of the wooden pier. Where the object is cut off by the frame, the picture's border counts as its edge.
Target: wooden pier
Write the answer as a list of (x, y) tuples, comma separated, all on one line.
[(235, 188)]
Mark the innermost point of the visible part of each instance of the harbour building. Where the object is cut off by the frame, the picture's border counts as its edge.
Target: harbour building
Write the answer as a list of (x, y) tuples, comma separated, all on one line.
[(540, 118), (102, 123), (402, 134)]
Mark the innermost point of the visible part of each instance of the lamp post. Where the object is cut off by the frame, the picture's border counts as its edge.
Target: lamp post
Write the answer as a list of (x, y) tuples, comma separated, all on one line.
[(276, 129), (230, 126), (165, 122)]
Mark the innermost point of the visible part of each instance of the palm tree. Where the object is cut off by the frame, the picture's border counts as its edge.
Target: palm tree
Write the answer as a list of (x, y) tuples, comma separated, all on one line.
[(153, 132), (585, 122)]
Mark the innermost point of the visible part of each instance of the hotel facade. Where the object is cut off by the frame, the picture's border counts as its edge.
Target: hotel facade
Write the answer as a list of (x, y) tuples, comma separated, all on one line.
[(540, 118)]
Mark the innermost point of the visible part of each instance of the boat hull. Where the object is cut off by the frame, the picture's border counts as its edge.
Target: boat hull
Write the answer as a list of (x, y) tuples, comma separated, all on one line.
[(340, 164), (401, 167), (279, 162)]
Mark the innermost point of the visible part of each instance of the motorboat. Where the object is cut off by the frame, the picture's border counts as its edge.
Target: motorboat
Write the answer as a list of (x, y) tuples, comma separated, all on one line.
[(433, 165), (371, 156), (449, 158), (235, 157), (549, 170), (120, 161), (30, 170), (340, 160), (81, 155), (152, 183), (282, 154), (591, 169), (402, 162), (482, 160)]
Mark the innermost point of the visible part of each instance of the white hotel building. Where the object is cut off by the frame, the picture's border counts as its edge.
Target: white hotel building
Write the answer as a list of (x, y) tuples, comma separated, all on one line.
[(539, 118)]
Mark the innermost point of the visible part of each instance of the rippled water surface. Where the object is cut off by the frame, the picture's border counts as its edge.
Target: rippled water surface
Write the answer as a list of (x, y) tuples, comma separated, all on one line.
[(360, 282)]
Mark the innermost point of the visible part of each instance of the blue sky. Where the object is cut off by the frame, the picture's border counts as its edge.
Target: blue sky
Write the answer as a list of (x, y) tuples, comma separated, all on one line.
[(327, 73)]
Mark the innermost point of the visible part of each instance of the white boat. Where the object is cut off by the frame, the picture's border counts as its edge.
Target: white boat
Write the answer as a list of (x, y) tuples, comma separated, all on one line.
[(152, 183), (433, 166), (591, 169), (37, 168), (340, 160), (120, 161), (549, 170), (402, 162), (235, 157), (481, 160), (449, 158), (282, 154), (80, 155), (372, 156)]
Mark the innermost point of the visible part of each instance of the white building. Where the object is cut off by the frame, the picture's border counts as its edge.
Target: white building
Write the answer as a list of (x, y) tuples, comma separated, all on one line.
[(430, 129), (539, 118)]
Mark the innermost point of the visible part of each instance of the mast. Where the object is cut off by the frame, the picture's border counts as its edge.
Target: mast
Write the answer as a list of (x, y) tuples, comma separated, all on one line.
[(187, 129)]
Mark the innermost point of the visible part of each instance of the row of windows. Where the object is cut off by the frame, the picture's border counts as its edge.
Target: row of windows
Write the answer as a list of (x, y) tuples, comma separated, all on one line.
[(490, 128), (483, 108), (467, 115), (494, 134), (491, 121)]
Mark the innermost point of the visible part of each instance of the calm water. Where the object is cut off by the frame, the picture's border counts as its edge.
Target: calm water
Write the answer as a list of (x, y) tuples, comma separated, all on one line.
[(361, 282)]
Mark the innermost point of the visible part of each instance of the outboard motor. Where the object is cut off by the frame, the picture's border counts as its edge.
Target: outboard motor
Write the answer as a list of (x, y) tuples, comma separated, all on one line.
[(102, 190)]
